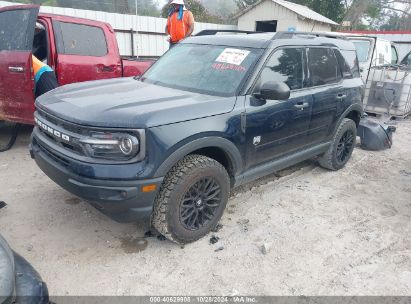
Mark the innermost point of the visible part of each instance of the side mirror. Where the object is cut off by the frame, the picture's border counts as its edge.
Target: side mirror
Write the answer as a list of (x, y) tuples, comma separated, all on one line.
[(273, 91)]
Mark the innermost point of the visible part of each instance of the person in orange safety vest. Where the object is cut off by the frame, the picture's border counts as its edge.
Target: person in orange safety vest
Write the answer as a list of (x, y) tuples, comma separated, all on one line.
[(180, 22), (44, 78)]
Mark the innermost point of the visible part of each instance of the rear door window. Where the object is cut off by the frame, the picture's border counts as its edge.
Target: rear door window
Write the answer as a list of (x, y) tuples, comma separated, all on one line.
[(80, 39), (323, 67), (285, 65), (15, 30)]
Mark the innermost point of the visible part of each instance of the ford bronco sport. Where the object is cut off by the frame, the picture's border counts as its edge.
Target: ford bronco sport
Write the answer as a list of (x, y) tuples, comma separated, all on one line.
[(213, 113)]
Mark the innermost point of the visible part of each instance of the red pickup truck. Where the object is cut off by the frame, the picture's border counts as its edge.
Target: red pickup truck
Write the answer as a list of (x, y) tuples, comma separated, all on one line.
[(77, 49)]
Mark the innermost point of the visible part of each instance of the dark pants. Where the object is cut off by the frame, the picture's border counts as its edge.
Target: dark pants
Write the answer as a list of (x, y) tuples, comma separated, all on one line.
[(47, 82)]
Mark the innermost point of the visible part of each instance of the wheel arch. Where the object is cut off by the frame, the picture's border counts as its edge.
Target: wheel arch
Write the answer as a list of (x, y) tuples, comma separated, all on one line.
[(354, 112), (217, 148), (354, 115)]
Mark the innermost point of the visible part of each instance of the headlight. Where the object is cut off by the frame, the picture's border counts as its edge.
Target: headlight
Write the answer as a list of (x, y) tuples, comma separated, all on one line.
[(111, 145)]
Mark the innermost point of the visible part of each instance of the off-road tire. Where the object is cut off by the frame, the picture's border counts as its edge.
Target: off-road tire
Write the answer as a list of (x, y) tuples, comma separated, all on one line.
[(329, 160), (166, 217)]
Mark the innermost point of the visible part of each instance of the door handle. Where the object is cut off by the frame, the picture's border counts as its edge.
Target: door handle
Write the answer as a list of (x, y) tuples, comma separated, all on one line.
[(14, 69), (341, 96), (302, 105), (105, 68)]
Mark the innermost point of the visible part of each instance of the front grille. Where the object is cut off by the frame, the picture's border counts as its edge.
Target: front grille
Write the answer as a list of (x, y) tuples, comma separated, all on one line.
[(53, 155), (60, 133)]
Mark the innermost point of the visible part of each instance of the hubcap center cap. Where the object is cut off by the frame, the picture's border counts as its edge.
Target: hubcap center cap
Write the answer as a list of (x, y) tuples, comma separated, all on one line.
[(199, 203)]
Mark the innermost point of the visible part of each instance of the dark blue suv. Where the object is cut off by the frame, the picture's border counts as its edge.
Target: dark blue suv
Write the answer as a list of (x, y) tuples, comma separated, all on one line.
[(213, 113)]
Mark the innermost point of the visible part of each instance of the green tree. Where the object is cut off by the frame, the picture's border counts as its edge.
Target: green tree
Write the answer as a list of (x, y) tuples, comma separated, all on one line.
[(396, 22), (332, 9), (222, 8), (39, 2), (379, 14), (147, 8), (243, 4), (201, 14)]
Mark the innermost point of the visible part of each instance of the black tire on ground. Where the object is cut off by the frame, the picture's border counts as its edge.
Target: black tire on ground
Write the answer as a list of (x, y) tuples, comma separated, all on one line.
[(342, 146), (8, 134), (191, 200)]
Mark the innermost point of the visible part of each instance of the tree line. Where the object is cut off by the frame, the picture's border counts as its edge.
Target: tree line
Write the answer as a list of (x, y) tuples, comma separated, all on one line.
[(361, 14)]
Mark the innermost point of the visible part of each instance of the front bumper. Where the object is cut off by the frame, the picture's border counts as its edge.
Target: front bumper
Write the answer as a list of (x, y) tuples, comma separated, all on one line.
[(121, 200), (30, 289)]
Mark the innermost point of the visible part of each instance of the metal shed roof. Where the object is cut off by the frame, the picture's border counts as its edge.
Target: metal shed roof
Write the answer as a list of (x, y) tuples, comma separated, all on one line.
[(300, 10)]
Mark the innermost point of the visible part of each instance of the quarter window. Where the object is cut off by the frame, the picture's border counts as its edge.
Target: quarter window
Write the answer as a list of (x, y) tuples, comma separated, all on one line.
[(323, 67), (285, 65), (80, 39), (349, 64)]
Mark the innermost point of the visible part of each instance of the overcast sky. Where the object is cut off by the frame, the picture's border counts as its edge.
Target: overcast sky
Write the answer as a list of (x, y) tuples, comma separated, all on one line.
[(162, 2)]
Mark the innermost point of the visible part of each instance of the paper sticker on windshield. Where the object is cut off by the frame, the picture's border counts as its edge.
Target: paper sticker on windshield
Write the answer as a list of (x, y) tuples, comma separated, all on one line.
[(233, 56)]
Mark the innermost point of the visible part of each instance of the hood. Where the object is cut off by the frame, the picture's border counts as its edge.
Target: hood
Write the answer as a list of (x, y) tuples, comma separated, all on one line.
[(7, 276), (128, 103)]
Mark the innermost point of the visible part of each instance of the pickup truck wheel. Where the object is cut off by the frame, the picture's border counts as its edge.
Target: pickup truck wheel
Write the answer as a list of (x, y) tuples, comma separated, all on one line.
[(8, 134), (191, 200), (342, 146)]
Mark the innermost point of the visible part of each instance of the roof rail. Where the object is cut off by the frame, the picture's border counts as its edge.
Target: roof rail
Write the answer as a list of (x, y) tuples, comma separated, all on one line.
[(215, 32), (288, 35)]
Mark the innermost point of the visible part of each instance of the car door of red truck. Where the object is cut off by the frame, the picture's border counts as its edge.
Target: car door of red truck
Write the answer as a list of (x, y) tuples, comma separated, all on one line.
[(17, 24), (86, 50)]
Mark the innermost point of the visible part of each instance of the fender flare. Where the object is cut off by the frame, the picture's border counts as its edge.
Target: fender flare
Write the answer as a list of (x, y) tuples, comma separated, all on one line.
[(352, 108), (225, 145)]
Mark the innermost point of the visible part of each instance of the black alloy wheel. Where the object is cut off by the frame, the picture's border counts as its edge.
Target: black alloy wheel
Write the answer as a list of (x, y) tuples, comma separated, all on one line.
[(345, 146), (200, 203)]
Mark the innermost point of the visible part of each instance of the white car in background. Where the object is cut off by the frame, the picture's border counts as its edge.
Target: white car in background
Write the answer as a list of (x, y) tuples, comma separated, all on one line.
[(373, 52)]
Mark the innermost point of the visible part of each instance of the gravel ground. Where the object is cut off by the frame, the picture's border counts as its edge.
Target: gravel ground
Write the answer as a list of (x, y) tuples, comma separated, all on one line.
[(302, 231)]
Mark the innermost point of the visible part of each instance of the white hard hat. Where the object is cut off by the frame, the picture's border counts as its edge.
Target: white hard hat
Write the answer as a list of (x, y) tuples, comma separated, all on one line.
[(180, 2)]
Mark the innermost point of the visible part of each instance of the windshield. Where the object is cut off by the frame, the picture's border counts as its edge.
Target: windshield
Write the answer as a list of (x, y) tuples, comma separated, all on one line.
[(206, 69), (363, 49)]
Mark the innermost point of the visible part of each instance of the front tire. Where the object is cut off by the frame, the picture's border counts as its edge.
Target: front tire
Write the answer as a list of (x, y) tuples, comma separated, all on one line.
[(191, 200), (8, 134), (342, 146)]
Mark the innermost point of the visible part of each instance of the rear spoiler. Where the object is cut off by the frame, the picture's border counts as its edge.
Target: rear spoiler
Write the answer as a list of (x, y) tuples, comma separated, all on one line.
[(215, 32)]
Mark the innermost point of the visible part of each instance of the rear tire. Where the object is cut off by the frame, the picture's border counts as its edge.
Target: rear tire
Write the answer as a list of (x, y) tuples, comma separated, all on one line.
[(342, 146), (191, 200)]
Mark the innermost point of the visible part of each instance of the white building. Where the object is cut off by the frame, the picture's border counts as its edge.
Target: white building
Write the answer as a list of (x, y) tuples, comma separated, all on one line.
[(279, 15)]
